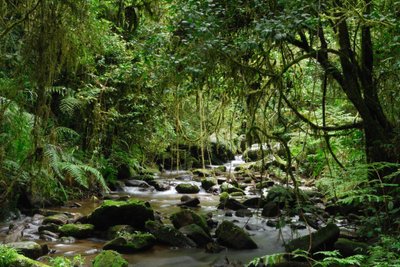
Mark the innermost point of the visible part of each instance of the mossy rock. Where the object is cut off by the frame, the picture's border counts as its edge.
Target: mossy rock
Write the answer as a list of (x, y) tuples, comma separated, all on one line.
[(197, 234), (270, 210), (22, 261), (232, 236), (144, 177), (202, 172), (229, 188), (208, 182), (322, 239), (116, 230), (223, 197), (231, 204), (237, 194), (169, 235), (29, 249), (349, 248), (109, 258), (58, 219), (219, 169), (187, 217), (132, 212), (255, 202), (187, 188), (265, 184), (130, 243), (77, 230)]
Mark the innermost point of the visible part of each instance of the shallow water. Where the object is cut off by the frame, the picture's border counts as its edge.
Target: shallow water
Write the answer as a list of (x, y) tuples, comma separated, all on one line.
[(269, 240)]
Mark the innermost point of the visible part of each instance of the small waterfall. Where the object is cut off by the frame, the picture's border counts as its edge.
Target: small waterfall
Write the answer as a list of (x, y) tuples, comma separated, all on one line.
[(230, 166)]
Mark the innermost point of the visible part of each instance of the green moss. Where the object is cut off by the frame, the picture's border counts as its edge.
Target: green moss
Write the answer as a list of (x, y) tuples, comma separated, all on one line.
[(109, 258), (132, 212), (129, 243), (224, 196), (187, 188), (76, 230), (237, 194), (202, 172), (231, 235), (56, 219), (144, 177), (186, 217), (208, 182), (9, 257), (325, 236), (348, 247), (168, 235), (117, 203), (229, 188)]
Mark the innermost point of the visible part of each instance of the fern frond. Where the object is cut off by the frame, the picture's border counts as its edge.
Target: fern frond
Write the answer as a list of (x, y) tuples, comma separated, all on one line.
[(52, 154), (96, 174), (61, 90), (65, 133), (69, 104), (75, 172)]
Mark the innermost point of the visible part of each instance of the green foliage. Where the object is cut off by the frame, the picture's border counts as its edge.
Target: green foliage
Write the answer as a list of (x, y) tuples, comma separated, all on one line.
[(76, 261), (7, 255), (334, 258), (267, 260), (377, 195), (384, 253), (68, 168)]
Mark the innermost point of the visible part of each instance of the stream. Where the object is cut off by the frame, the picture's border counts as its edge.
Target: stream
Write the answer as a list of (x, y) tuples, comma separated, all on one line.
[(268, 239)]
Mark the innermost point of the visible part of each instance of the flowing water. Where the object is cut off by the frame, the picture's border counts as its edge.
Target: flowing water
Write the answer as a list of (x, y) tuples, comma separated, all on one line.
[(268, 239)]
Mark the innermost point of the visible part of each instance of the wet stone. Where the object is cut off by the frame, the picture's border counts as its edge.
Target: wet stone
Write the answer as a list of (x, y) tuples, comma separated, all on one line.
[(243, 213)]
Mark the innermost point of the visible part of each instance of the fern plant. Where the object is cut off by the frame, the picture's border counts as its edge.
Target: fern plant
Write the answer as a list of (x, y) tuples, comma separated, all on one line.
[(69, 169), (354, 186)]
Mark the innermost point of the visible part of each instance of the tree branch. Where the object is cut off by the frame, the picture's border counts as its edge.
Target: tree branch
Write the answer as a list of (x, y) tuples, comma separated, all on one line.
[(356, 125), (9, 28)]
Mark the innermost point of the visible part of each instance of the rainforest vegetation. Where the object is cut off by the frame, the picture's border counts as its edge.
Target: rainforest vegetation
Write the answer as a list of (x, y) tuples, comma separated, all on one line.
[(96, 91)]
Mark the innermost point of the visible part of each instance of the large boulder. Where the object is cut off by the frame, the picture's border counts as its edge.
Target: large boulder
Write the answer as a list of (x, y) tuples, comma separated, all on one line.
[(22, 261), (349, 248), (229, 188), (208, 182), (230, 203), (109, 258), (58, 219), (255, 202), (271, 209), (132, 212), (169, 235), (77, 230), (29, 249), (130, 243), (197, 234), (187, 188), (187, 217), (188, 201), (322, 239), (230, 235)]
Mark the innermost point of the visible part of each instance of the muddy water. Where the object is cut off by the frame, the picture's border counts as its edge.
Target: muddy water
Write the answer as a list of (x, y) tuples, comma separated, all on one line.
[(268, 239)]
